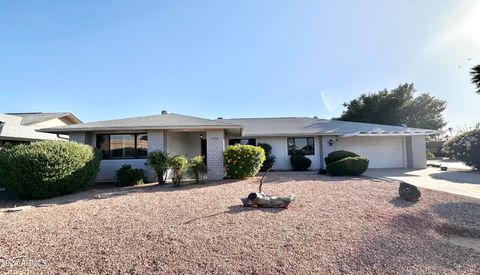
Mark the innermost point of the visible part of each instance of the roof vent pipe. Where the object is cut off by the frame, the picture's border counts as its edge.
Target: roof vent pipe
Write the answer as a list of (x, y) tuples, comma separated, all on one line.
[(164, 112)]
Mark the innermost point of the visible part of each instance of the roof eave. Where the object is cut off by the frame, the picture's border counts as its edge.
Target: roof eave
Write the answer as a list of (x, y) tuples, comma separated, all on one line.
[(135, 128)]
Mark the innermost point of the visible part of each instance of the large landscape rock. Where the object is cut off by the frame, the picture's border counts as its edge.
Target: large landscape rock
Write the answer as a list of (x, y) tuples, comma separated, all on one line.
[(409, 192), (263, 200)]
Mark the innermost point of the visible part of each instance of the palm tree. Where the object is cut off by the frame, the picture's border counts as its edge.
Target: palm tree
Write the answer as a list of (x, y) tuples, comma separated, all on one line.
[(475, 72)]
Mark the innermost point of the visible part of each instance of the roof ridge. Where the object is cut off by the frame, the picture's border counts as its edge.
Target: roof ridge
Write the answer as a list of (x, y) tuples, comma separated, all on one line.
[(270, 118)]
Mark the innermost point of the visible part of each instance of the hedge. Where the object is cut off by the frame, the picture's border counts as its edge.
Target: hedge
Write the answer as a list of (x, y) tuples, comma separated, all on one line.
[(350, 166), (243, 161), (465, 147), (47, 169), (338, 155)]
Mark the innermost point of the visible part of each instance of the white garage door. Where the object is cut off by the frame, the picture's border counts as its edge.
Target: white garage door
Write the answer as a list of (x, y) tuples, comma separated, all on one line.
[(382, 152)]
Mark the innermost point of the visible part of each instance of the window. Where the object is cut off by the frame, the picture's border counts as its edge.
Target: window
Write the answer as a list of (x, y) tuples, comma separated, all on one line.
[(304, 146), (123, 146), (244, 141)]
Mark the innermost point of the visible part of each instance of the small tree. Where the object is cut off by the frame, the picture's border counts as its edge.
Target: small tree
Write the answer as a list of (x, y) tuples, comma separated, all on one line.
[(178, 164), (269, 158), (197, 168), (397, 107), (158, 160)]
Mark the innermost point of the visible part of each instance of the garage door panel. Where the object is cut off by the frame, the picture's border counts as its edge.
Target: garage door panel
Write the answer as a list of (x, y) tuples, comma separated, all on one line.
[(382, 152)]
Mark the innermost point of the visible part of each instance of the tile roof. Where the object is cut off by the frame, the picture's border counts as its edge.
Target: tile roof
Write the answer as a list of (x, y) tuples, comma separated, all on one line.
[(163, 121), (288, 126)]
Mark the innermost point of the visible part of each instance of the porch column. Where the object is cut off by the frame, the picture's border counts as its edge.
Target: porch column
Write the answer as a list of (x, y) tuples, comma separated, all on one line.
[(416, 152), (215, 147)]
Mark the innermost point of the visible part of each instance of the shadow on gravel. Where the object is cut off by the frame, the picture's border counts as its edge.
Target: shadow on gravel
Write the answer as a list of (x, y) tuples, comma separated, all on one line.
[(412, 243), (236, 209), (398, 202), (102, 191), (462, 218)]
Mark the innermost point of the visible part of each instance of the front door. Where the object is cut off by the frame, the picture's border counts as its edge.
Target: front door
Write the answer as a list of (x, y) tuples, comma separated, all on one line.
[(204, 150)]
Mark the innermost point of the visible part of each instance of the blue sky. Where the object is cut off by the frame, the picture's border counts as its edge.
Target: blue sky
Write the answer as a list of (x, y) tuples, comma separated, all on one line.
[(113, 59)]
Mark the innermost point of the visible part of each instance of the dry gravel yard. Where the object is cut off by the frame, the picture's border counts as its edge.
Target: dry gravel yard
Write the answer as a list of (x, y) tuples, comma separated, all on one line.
[(341, 225)]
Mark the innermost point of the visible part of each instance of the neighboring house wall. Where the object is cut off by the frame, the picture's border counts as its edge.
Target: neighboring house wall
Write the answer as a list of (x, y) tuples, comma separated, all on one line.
[(51, 123), (14, 130)]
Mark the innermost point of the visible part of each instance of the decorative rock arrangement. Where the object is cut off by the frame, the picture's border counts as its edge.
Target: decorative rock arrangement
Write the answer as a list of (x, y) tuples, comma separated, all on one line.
[(261, 199), (409, 192)]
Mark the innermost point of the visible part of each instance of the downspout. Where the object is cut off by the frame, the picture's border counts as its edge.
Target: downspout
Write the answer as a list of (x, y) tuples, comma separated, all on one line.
[(64, 138)]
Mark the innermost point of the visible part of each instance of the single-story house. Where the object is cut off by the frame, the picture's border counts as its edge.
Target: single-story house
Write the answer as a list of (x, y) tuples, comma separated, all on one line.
[(22, 127), (129, 140)]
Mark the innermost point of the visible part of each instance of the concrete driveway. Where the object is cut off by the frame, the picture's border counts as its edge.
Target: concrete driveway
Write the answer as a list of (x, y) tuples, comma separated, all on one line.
[(456, 181)]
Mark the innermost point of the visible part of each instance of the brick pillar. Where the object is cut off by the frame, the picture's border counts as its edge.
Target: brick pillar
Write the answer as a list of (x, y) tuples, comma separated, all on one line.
[(215, 147)]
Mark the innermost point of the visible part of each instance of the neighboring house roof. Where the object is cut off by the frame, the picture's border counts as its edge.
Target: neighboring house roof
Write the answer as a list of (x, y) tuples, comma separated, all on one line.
[(34, 118), (302, 126), (163, 121), (12, 129), (248, 127)]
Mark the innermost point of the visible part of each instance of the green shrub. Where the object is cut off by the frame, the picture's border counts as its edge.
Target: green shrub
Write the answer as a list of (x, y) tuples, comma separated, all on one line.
[(178, 164), (465, 147), (126, 176), (243, 161), (338, 155), (430, 155), (158, 160), (47, 169), (350, 166), (197, 168), (299, 162), (269, 158)]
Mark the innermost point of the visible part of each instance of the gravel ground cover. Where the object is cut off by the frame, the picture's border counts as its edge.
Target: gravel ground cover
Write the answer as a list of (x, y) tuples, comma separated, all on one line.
[(336, 225)]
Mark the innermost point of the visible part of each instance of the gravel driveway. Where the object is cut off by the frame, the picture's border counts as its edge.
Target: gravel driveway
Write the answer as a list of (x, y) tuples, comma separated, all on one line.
[(336, 225)]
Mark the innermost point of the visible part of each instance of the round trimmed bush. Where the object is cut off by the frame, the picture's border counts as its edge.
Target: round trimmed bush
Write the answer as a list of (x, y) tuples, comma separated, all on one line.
[(338, 155), (127, 176), (350, 166), (47, 169), (300, 163), (465, 147), (243, 161)]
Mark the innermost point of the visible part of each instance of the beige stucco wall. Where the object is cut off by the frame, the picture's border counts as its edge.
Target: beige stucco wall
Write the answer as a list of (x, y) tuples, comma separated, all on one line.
[(280, 150), (183, 143)]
